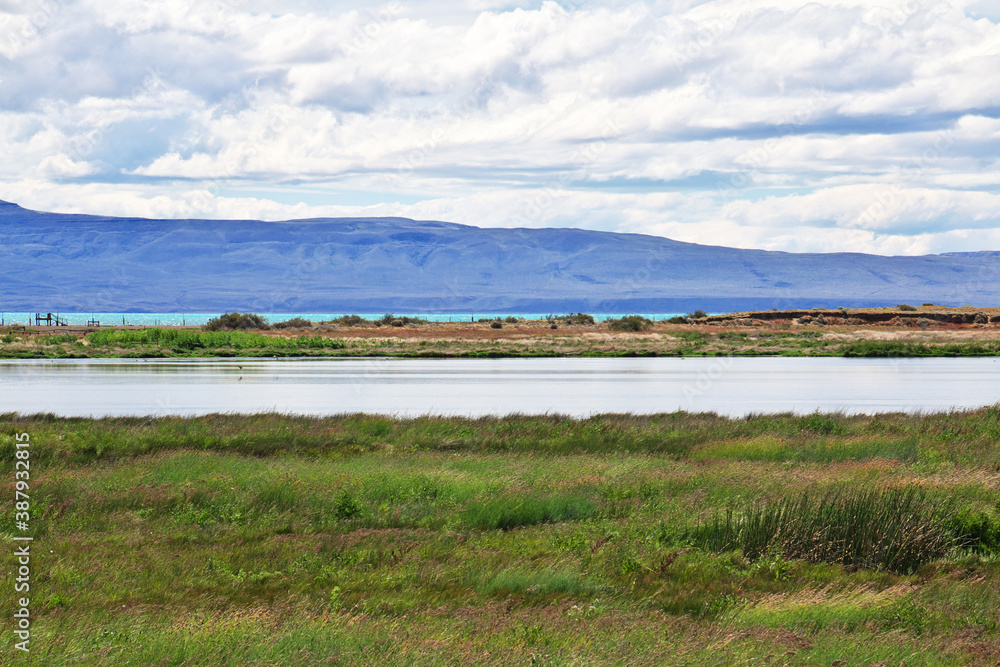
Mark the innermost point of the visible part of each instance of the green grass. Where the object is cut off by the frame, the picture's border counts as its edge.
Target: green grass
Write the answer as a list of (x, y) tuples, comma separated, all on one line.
[(898, 530), (634, 337), (883, 348), (509, 513), (677, 539), (178, 341)]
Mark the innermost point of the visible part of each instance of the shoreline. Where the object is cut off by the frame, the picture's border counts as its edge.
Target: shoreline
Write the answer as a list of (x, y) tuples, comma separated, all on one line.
[(922, 332)]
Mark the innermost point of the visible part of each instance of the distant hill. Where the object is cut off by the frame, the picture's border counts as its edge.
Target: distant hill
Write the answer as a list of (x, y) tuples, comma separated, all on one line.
[(82, 263)]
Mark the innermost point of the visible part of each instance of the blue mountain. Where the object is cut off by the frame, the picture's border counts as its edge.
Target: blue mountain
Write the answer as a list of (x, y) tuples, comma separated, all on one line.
[(83, 263)]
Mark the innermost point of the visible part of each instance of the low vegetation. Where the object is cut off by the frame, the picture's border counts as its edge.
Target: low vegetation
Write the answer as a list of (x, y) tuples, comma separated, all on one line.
[(293, 323), (816, 333), (897, 530), (579, 318), (630, 323), (158, 342), (884, 348), (672, 539), (236, 321)]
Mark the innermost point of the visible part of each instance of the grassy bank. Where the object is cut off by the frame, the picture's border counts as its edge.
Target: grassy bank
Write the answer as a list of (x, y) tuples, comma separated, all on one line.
[(481, 341), (673, 539)]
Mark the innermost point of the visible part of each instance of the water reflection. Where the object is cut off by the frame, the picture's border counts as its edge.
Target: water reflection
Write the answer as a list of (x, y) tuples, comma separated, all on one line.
[(474, 387)]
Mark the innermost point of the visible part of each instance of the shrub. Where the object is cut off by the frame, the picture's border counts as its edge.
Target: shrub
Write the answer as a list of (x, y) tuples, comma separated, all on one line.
[(347, 506), (679, 319), (294, 323), (630, 323), (905, 307), (511, 320), (580, 318), (401, 321), (496, 324), (236, 321), (927, 304), (697, 315), (350, 321), (976, 531)]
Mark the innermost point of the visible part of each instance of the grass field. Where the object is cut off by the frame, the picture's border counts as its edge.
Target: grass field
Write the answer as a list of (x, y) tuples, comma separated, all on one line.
[(673, 539), (481, 341)]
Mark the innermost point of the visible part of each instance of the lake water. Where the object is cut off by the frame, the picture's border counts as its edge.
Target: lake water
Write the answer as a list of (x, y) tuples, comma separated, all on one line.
[(475, 387)]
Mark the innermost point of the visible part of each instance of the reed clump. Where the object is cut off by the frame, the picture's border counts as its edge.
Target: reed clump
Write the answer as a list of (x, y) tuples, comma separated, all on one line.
[(897, 530)]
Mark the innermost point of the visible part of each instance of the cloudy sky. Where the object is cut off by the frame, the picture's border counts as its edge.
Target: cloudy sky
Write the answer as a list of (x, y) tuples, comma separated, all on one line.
[(822, 126)]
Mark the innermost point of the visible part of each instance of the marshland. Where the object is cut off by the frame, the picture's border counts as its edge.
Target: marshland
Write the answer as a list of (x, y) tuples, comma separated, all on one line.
[(675, 538), (662, 539)]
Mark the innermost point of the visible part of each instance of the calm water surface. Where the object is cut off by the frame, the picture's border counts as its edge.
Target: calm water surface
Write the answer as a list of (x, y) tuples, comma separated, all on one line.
[(475, 387)]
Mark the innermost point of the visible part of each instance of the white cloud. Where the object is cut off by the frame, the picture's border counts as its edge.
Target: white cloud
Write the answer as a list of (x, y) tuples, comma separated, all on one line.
[(765, 123)]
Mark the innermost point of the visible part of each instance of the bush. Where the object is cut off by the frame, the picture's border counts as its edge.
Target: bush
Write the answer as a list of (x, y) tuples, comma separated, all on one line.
[(580, 318), (294, 323), (976, 531), (905, 307), (236, 321), (347, 506), (697, 315), (927, 304), (401, 321), (511, 320), (496, 324), (630, 323), (350, 321), (679, 319)]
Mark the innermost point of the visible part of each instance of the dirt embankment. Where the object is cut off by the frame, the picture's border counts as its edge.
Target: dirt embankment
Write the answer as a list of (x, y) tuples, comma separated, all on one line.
[(885, 317)]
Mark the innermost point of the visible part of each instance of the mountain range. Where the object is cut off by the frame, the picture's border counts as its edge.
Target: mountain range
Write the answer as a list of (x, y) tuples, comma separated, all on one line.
[(84, 263)]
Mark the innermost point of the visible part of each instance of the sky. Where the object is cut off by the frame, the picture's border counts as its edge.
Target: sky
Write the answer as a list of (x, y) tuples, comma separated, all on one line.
[(796, 126)]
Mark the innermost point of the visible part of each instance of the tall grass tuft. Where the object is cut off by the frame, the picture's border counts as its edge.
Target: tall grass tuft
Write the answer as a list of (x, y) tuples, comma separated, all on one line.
[(506, 513), (895, 529)]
